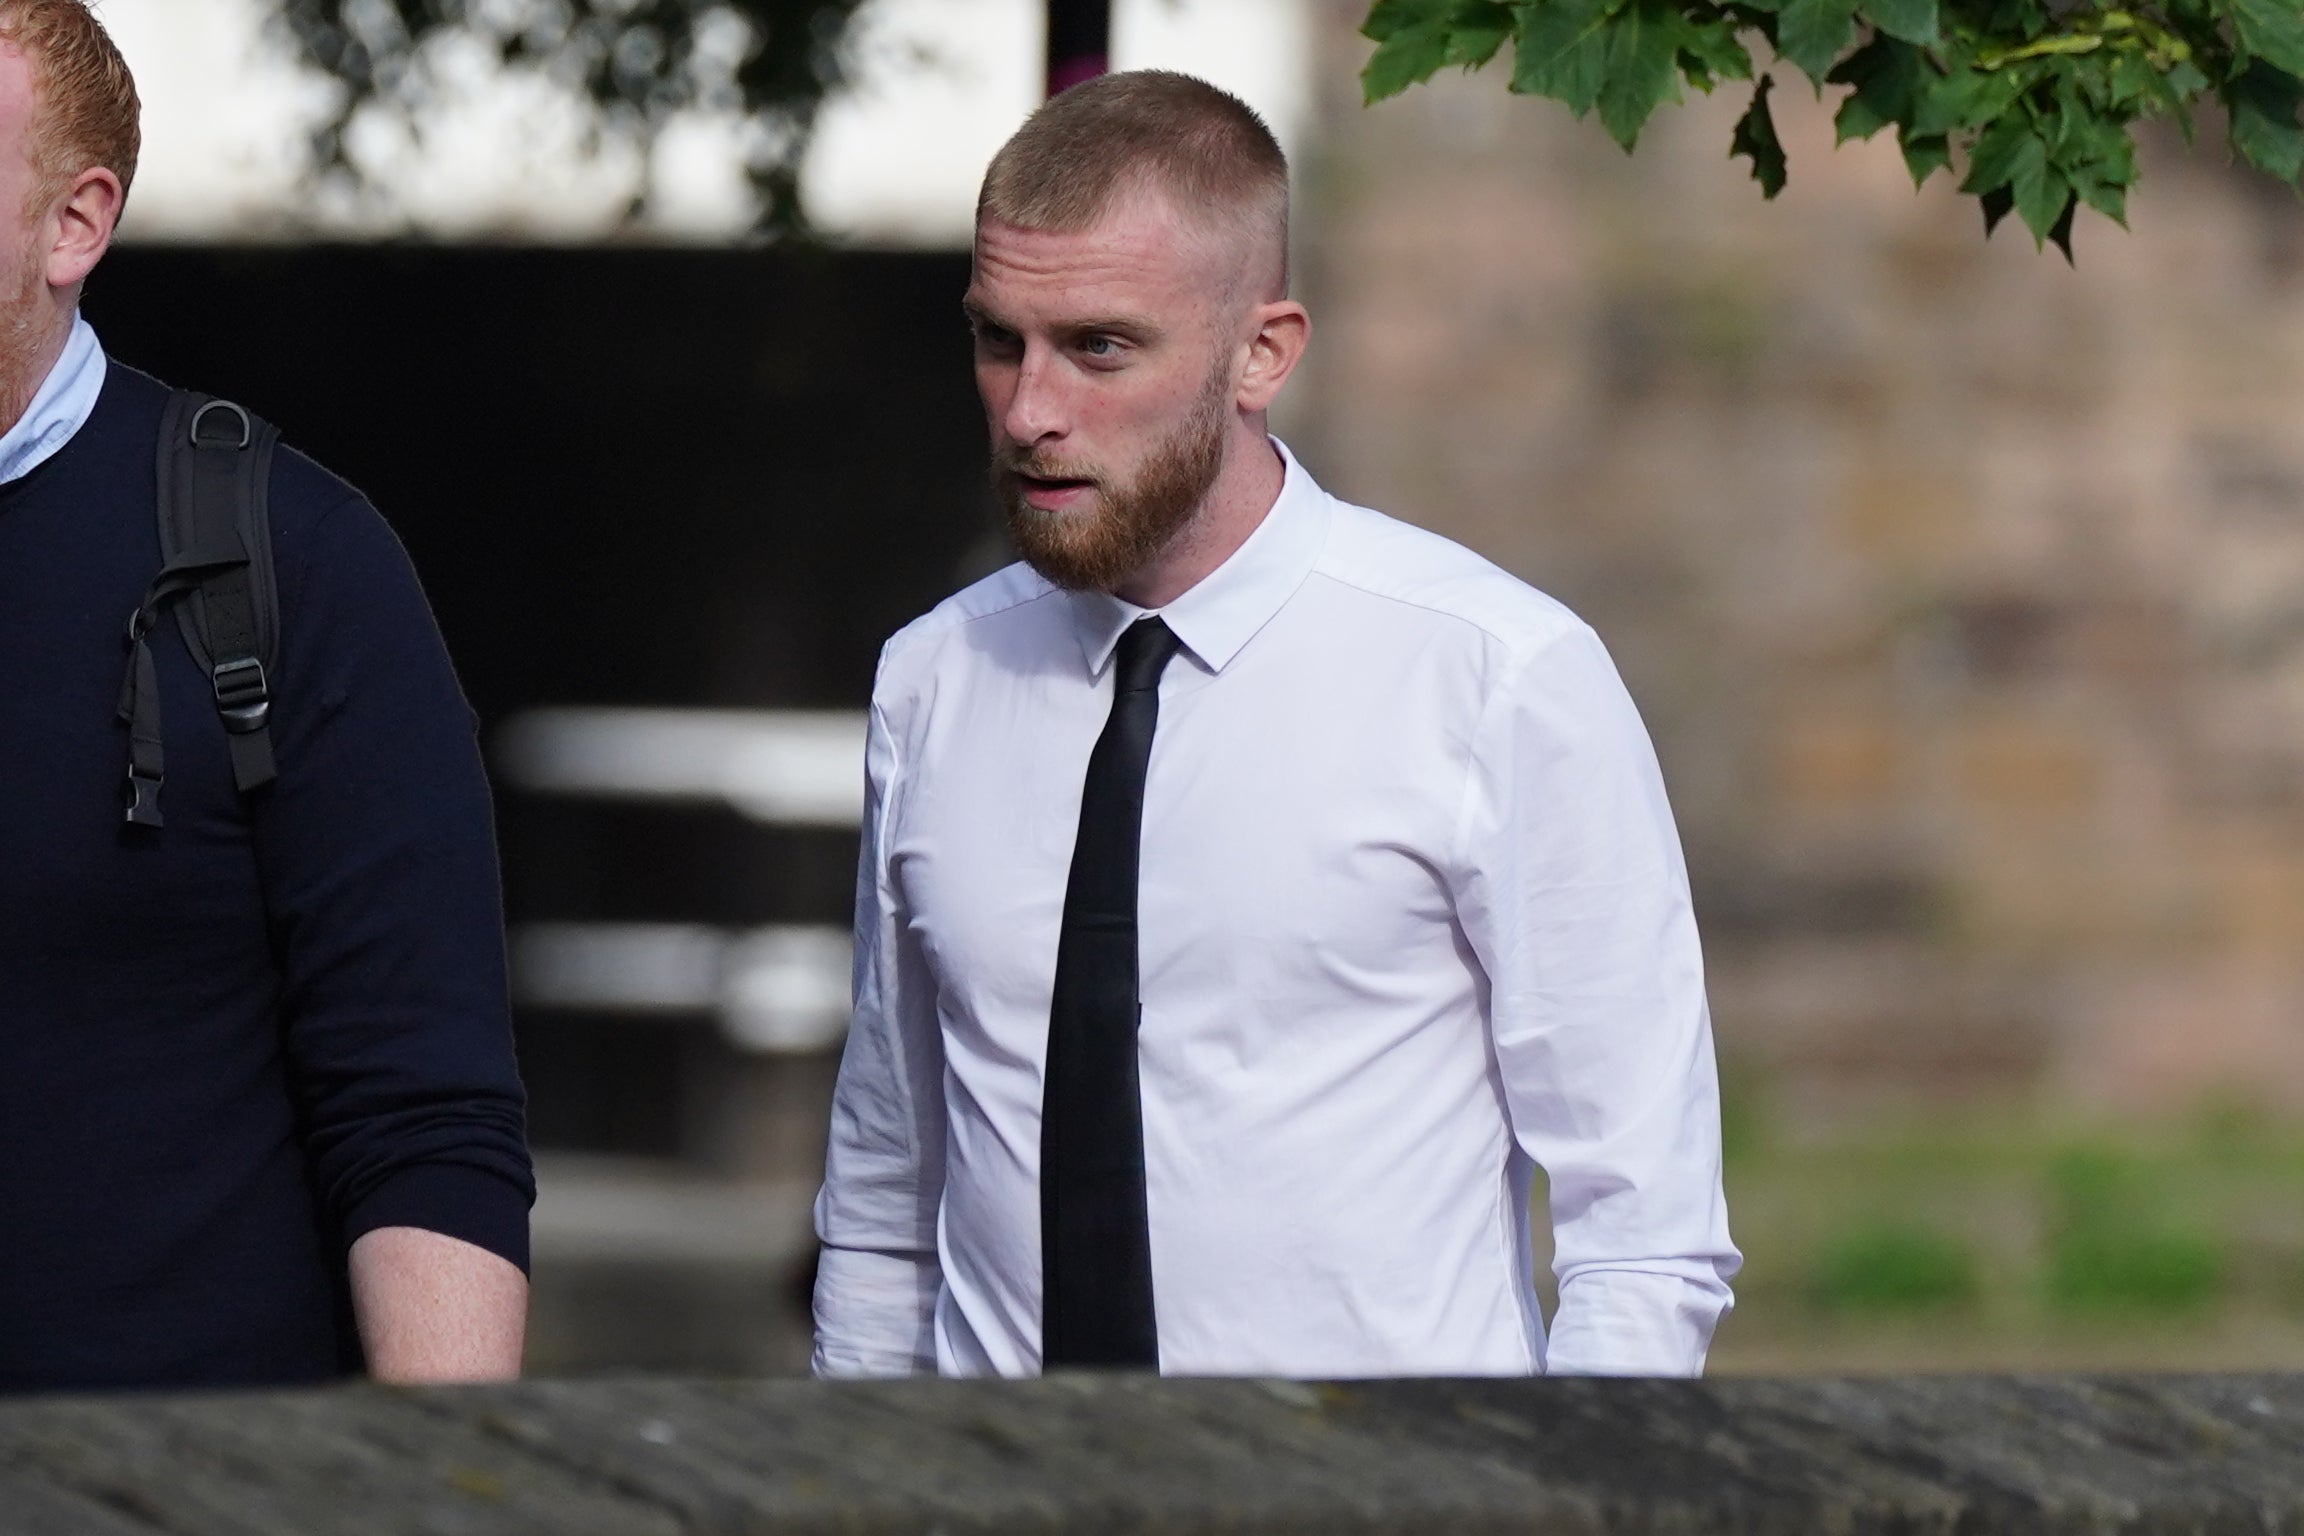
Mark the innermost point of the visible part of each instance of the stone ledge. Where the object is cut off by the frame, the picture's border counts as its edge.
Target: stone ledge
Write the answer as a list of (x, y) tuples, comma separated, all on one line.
[(1976, 1456)]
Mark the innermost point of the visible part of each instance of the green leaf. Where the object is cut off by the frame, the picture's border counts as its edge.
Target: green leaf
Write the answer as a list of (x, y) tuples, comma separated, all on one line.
[(1856, 120), (1643, 73), (1415, 39), (1925, 154), (2034, 103), (1479, 29), (1411, 38), (1710, 53), (1964, 98), (1562, 51), (1915, 21), (2115, 166), (2076, 129), (2060, 233), (1887, 75), (1992, 159), (1756, 140), (2041, 190), (2109, 198), (2185, 80), (1943, 103), (2272, 31), (2264, 130), (1812, 33), (2136, 84), (1995, 206), (2112, 202), (1388, 18)]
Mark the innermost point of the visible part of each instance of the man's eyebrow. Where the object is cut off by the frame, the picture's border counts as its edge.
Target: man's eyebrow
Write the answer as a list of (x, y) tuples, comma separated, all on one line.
[(1131, 325), (1127, 325)]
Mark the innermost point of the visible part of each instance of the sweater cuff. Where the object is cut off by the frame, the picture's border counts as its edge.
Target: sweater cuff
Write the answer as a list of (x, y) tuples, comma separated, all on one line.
[(454, 1200)]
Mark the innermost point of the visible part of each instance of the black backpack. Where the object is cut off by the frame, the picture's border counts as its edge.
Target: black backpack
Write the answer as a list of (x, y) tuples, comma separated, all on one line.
[(214, 468)]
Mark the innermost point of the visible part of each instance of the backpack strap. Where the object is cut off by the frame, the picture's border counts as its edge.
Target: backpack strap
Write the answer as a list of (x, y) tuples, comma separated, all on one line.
[(214, 467)]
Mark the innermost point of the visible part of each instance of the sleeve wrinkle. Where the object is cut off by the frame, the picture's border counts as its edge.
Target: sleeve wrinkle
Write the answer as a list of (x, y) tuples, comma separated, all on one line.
[(878, 1278), (1507, 668), (1597, 1007)]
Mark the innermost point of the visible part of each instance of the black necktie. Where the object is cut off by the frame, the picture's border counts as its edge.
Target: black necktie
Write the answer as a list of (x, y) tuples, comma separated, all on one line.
[(1096, 1250)]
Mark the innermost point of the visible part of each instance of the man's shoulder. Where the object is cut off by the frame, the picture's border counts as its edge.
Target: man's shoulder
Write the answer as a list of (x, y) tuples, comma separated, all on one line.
[(300, 492), (298, 477), (1005, 593), (1389, 560), (333, 553)]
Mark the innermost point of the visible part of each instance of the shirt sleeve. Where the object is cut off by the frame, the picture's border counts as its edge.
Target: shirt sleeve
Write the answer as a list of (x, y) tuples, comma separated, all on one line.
[(879, 1278), (1573, 894), (378, 857)]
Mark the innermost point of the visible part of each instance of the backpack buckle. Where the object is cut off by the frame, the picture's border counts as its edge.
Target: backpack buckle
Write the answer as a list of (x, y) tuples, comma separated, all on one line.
[(243, 694), (247, 427), (143, 800)]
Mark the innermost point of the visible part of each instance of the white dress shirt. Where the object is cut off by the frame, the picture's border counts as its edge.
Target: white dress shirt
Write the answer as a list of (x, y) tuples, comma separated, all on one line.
[(1413, 921), (60, 407)]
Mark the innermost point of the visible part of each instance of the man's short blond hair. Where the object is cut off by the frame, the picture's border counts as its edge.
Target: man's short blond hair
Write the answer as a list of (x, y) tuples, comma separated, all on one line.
[(85, 112), (1144, 129)]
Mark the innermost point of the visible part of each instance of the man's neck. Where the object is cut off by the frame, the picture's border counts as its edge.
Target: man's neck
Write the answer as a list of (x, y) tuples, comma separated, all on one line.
[(1243, 494)]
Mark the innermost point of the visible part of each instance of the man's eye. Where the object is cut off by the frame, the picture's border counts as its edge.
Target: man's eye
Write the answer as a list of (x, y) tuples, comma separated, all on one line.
[(1100, 346)]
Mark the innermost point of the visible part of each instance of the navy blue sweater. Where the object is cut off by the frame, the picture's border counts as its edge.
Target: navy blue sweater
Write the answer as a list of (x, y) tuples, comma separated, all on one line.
[(232, 1045)]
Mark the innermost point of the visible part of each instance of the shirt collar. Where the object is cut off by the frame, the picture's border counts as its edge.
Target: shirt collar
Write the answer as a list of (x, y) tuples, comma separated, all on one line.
[(65, 401), (1223, 611)]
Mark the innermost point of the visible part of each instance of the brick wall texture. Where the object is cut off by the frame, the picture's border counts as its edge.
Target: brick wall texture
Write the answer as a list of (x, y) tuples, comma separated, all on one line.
[(1963, 591)]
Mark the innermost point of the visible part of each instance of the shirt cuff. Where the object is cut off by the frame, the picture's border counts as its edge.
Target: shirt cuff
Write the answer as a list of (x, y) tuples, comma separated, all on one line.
[(875, 1313), (469, 1204), (1633, 1323)]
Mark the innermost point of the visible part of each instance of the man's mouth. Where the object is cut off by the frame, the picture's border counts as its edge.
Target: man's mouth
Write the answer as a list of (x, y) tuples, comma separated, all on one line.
[(1053, 493)]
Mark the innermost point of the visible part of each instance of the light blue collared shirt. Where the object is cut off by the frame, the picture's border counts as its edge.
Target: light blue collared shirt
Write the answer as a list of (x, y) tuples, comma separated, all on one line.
[(66, 400)]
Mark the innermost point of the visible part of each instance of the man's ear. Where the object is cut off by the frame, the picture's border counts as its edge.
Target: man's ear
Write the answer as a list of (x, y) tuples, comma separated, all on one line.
[(81, 226), (1283, 329)]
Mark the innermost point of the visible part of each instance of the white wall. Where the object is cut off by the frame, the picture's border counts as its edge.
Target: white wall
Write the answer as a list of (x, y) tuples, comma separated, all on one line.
[(944, 82), (940, 84)]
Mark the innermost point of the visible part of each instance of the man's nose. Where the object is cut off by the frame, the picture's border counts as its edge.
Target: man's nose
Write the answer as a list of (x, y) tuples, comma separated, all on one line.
[(1036, 411)]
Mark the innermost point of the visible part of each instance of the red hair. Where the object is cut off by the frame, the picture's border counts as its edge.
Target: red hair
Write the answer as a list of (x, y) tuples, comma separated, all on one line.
[(85, 112)]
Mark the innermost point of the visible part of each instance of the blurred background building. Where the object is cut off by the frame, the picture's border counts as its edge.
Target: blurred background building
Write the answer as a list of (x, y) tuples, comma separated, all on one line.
[(1963, 592)]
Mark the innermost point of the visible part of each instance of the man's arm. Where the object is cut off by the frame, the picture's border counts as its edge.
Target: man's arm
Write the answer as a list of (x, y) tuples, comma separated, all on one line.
[(433, 1308), (377, 852), (878, 1278), (1572, 891)]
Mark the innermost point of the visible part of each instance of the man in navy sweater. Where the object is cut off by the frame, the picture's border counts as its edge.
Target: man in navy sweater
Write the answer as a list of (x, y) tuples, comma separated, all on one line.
[(259, 1118)]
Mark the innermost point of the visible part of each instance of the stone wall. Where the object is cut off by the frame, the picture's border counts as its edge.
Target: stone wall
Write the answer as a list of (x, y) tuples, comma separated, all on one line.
[(1964, 591), (1104, 1456)]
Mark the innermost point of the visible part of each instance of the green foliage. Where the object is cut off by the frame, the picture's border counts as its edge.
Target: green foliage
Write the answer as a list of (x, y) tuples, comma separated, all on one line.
[(2039, 99), (2111, 1246), (1896, 1268), (1744, 1114), (639, 62)]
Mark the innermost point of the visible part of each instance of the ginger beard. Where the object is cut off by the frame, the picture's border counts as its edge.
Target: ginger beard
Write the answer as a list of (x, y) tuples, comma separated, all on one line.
[(24, 327), (1133, 520)]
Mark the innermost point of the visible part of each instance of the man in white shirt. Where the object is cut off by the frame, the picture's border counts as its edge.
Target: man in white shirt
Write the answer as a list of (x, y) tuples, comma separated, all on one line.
[(1255, 890)]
